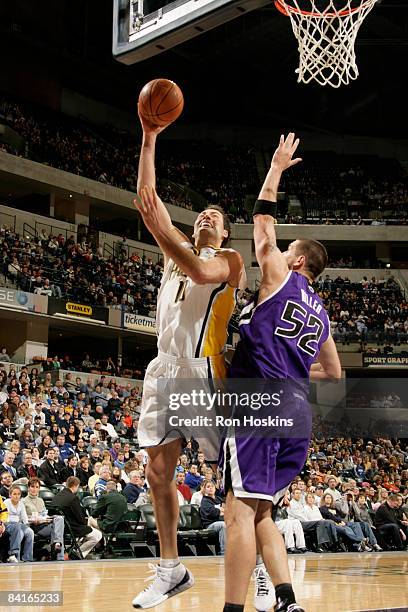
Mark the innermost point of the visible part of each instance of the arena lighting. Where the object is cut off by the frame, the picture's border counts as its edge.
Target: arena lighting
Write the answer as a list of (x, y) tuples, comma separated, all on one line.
[(60, 315)]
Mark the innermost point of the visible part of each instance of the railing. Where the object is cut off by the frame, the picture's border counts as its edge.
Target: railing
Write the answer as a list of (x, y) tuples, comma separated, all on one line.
[(52, 229), (107, 250), (29, 231), (10, 220)]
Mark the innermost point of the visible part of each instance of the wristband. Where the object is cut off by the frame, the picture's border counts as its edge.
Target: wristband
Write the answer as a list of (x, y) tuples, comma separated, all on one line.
[(265, 207)]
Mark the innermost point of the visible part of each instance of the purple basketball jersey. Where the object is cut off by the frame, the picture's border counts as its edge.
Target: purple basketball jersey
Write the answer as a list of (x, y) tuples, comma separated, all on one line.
[(281, 337)]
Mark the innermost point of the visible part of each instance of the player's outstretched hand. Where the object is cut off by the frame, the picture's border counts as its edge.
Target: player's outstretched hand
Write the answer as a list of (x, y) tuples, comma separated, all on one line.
[(153, 211), (283, 155), (147, 126)]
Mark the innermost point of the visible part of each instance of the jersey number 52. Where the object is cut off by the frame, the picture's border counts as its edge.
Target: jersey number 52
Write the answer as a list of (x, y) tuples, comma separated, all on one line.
[(298, 318)]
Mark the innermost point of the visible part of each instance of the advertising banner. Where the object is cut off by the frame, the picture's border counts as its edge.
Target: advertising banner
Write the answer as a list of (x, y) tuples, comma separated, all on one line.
[(85, 311), (139, 323), (21, 300), (389, 360)]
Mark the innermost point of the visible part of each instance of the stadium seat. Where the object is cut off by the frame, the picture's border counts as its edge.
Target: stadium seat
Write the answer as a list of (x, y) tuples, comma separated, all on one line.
[(71, 542), (126, 537), (24, 489), (206, 539), (47, 496), (88, 503)]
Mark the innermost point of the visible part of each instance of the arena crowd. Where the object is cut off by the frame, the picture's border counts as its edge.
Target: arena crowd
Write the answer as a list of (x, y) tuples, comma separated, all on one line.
[(76, 441), (332, 188), (374, 310)]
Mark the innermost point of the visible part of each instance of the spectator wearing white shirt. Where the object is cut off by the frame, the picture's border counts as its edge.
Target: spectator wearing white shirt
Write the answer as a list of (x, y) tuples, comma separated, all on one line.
[(198, 496), (331, 488), (312, 521), (18, 514), (108, 427)]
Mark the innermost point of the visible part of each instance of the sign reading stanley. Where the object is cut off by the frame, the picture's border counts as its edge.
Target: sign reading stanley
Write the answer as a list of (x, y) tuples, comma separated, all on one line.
[(139, 323), (22, 300), (389, 360), (73, 309), (79, 309)]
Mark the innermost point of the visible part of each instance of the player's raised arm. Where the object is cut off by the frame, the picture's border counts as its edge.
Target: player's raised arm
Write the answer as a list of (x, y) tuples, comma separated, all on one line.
[(226, 267), (270, 259), (147, 172)]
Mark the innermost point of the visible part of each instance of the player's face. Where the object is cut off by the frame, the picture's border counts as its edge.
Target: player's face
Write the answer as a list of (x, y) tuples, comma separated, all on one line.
[(209, 227)]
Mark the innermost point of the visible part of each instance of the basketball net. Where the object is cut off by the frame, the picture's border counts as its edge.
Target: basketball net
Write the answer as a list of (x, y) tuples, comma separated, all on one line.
[(326, 37)]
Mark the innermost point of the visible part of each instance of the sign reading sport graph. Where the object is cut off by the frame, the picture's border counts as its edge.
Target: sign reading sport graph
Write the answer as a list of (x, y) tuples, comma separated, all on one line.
[(143, 28)]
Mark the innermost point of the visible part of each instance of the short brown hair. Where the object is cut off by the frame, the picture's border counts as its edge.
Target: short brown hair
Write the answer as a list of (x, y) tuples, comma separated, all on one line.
[(315, 254), (227, 222), (72, 481), (34, 481)]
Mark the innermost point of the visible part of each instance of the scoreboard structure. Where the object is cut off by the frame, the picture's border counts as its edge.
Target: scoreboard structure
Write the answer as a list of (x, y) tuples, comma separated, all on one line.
[(143, 28)]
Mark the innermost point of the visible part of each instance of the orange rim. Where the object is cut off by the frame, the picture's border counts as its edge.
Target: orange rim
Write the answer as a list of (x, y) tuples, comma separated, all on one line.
[(285, 10)]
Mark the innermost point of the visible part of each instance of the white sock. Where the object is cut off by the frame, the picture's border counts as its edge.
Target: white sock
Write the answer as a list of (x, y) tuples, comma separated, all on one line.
[(169, 563), (259, 560)]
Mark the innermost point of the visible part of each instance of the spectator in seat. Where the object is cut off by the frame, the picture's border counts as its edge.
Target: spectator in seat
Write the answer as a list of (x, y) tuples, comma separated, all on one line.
[(193, 478), (351, 531), (27, 469), (212, 514), (114, 403), (108, 427), (65, 449), (67, 501), (50, 470), (110, 509), (104, 476), (71, 469), (134, 487), (291, 530), (198, 495), (4, 543), (388, 525), (17, 514), (351, 513), (312, 521), (331, 488), (182, 487), (7, 464), (114, 451), (4, 357), (6, 480), (41, 523), (94, 444), (13, 535), (84, 472), (94, 478)]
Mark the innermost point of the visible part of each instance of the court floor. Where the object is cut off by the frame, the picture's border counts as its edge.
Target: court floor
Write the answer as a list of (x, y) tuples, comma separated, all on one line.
[(330, 583)]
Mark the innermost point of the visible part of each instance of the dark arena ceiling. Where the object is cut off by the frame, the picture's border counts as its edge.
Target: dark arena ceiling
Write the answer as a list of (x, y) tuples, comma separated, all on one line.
[(240, 73)]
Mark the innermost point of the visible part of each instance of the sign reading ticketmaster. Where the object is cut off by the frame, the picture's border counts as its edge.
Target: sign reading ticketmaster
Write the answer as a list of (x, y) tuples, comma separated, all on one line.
[(139, 323)]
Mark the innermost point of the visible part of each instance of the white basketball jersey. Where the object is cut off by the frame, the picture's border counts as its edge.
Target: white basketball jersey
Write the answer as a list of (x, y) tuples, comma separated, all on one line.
[(192, 319)]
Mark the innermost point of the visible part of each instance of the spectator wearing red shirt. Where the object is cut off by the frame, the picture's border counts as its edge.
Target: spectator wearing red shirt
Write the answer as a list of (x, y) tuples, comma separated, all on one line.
[(183, 488)]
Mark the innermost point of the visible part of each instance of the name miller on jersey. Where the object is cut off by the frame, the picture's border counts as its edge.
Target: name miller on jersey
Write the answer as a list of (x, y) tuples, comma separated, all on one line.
[(311, 301)]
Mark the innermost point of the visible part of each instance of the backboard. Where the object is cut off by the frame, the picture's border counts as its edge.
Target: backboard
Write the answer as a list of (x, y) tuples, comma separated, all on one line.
[(143, 28)]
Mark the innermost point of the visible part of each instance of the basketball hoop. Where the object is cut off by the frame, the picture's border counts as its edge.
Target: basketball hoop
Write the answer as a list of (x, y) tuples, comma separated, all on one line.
[(326, 31)]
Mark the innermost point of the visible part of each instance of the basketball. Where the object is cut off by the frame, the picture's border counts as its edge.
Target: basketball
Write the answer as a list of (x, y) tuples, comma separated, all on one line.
[(161, 102)]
